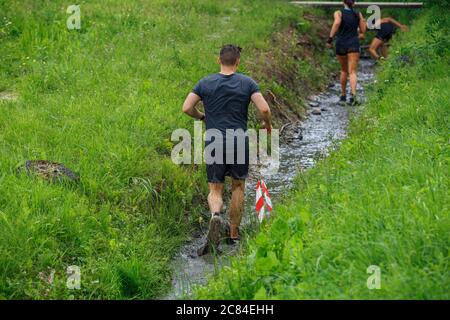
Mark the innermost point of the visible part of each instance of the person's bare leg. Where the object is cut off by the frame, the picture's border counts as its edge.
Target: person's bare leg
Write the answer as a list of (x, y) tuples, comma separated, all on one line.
[(374, 46), (237, 207), (215, 201), (215, 197), (353, 60), (344, 73), (384, 50)]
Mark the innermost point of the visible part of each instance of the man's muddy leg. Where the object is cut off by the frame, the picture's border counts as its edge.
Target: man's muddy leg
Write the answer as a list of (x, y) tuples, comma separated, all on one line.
[(215, 197), (237, 206), (215, 201)]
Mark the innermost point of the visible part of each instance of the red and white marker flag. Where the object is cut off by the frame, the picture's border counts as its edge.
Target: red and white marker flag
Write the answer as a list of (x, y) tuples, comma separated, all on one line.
[(262, 199)]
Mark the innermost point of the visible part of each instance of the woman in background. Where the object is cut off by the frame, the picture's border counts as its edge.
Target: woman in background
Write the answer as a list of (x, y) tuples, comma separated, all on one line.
[(347, 27), (384, 34)]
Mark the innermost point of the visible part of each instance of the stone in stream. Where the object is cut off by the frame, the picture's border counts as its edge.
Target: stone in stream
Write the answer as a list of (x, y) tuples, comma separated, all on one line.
[(313, 104), (48, 170), (316, 111), (298, 134), (197, 234)]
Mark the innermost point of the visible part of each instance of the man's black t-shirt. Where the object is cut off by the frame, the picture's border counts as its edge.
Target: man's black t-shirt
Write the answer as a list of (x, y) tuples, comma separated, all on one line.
[(226, 99)]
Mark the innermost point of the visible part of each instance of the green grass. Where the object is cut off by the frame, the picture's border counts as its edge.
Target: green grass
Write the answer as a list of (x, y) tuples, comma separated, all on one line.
[(382, 199), (103, 101)]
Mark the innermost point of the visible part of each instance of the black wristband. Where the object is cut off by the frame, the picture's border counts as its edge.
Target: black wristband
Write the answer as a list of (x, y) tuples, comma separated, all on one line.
[(330, 40), (202, 118)]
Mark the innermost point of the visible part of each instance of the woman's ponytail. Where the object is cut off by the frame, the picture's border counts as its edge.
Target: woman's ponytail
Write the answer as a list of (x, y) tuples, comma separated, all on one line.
[(349, 3)]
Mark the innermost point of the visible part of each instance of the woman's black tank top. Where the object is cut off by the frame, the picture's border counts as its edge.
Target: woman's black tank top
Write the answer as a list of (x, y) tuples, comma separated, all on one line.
[(348, 30)]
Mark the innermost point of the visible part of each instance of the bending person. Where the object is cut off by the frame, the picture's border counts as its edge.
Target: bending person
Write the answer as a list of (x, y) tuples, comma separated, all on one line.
[(378, 46), (347, 26)]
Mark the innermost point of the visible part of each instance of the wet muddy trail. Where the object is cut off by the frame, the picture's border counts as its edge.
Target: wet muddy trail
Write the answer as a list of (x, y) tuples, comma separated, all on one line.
[(301, 144)]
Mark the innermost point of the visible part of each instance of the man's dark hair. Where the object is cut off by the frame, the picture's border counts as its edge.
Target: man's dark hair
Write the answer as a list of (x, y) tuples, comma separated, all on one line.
[(229, 54)]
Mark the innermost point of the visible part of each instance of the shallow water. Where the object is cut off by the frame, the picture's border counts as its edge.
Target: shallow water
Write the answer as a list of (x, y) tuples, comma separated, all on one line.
[(301, 145)]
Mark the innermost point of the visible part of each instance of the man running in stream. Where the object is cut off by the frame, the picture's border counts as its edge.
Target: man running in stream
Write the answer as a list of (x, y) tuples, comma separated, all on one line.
[(384, 34), (345, 27), (226, 96)]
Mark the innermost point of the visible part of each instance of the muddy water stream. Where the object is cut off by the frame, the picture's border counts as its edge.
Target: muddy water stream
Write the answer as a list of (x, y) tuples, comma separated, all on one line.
[(301, 145)]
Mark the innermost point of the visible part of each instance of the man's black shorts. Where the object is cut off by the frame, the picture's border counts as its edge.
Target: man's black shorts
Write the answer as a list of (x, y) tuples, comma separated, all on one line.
[(236, 169)]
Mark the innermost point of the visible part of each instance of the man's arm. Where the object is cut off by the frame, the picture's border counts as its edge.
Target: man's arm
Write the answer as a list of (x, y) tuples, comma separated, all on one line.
[(189, 106), (263, 107)]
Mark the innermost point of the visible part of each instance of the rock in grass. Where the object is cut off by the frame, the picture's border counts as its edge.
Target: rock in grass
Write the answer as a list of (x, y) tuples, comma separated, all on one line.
[(48, 170), (316, 111), (403, 60), (8, 96)]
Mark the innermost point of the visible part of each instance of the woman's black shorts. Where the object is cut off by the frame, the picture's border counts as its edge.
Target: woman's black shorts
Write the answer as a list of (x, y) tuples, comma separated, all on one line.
[(345, 47)]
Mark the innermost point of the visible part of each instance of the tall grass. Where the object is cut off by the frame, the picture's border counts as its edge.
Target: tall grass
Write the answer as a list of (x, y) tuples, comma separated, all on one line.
[(104, 100), (381, 200)]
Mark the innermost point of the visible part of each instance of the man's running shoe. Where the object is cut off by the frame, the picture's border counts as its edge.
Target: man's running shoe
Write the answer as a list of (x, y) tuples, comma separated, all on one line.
[(342, 100), (215, 230), (233, 234)]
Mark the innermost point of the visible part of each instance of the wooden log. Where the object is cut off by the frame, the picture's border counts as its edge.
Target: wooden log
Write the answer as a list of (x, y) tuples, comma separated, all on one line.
[(335, 4)]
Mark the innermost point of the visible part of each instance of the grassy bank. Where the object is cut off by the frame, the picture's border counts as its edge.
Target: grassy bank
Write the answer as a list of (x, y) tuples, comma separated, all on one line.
[(382, 199), (104, 101)]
